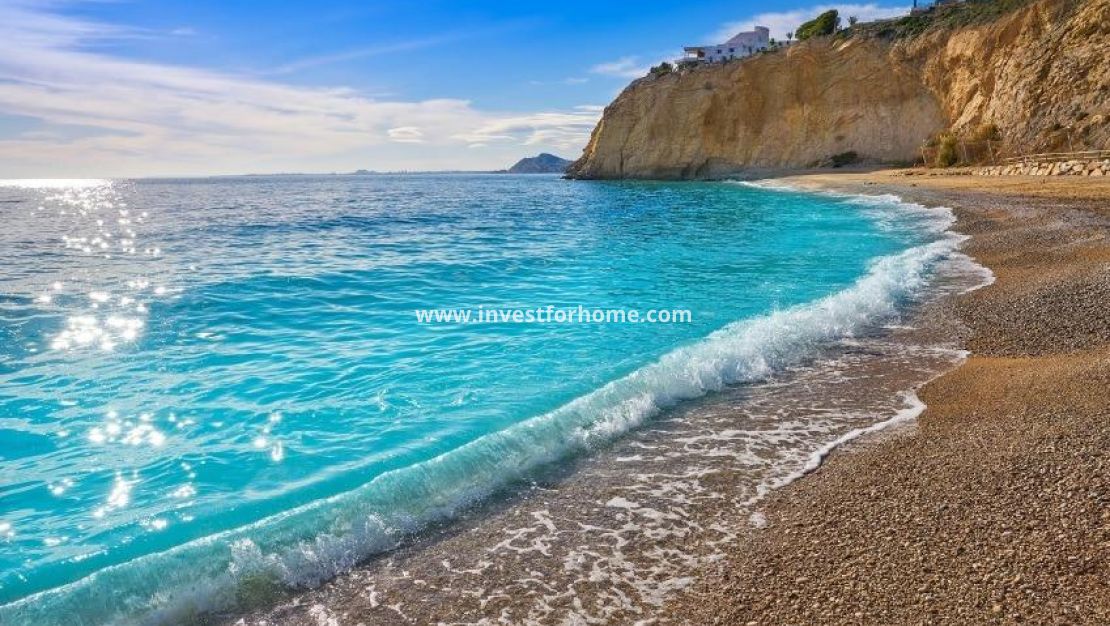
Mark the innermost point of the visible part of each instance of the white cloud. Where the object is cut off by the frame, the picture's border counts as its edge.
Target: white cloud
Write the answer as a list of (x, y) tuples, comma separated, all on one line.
[(624, 67), (784, 22), (565, 131), (406, 134), (152, 119)]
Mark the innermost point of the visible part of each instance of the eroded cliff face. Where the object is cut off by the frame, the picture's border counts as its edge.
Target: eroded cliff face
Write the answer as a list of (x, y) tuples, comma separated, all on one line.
[(1041, 74)]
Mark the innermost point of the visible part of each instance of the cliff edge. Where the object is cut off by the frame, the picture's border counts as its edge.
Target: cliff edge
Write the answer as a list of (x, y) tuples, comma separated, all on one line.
[(1039, 71)]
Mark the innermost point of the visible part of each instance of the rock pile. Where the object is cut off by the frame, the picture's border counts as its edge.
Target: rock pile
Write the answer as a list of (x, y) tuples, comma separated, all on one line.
[(1032, 167)]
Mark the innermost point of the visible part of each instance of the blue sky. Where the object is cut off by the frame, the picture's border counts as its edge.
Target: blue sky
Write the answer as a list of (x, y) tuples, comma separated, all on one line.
[(134, 88)]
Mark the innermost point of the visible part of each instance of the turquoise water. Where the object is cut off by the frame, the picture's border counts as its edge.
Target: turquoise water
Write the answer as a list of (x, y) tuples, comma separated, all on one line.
[(205, 384)]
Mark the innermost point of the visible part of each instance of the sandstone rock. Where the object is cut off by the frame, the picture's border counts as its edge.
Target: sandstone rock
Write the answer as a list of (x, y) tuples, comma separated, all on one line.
[(1025, 72)]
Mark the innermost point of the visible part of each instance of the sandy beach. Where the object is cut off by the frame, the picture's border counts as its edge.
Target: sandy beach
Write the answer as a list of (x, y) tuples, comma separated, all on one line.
[(996, 507)]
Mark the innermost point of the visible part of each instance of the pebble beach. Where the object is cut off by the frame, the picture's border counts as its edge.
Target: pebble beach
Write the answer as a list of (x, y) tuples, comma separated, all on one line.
[(995, 507)]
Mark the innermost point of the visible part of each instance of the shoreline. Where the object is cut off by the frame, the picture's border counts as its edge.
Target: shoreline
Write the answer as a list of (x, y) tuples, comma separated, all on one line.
[(989, 506), (996, 507), (620, 533)]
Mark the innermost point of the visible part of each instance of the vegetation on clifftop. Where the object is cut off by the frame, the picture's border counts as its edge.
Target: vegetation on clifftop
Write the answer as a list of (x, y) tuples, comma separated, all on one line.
[(824, 24), (947, 17)]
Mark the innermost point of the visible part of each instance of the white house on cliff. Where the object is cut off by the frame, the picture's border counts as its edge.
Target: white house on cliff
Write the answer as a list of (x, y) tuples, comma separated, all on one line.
[(741, 45)]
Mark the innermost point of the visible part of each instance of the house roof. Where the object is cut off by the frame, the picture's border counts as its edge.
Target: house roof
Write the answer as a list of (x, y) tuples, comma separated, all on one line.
[(740, 37), (737, 39)]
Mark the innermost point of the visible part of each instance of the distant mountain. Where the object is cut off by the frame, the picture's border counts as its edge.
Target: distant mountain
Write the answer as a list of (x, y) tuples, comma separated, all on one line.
[(541, 164)]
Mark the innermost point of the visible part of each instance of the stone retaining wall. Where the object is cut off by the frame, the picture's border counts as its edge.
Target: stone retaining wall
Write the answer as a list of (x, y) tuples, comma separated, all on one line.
[(1088, 167)]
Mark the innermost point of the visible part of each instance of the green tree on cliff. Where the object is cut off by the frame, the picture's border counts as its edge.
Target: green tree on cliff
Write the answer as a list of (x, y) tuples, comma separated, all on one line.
[(824, 24)]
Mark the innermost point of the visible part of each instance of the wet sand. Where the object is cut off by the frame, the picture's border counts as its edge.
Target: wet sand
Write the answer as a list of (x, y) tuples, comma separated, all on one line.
[(996, 508)]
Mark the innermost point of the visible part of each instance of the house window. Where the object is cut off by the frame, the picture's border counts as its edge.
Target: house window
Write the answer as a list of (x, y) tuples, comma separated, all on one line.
[(731, 50), (718, 52)]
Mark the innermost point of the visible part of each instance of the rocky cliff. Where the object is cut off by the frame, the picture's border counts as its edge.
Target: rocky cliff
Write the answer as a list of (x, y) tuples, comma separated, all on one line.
[(1039, 71)]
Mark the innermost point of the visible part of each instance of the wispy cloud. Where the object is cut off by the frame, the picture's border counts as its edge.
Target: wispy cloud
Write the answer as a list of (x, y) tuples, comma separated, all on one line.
[(157, 118), (406, 134), (624, 67), (783, 22), (570, 80), (567, 130), (364, 52), (405, 45), (27, 23)]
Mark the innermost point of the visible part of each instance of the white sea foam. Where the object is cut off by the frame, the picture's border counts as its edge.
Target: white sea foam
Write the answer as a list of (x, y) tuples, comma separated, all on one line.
[(303, 546), (891, 211), (914, 408)]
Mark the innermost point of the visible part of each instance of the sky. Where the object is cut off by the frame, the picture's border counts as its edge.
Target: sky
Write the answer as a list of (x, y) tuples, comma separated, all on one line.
[(133, 88)]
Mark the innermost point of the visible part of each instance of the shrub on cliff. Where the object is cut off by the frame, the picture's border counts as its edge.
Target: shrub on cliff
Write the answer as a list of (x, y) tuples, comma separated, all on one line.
[(946, 151), (986, 132), (824, 24), (661, 69)]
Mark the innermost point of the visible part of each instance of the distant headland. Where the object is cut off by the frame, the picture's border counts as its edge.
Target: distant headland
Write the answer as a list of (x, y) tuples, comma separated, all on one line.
[(542, 163)]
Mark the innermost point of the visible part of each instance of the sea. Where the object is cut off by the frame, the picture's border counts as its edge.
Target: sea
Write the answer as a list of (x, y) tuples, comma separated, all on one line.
[(217, 392)]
